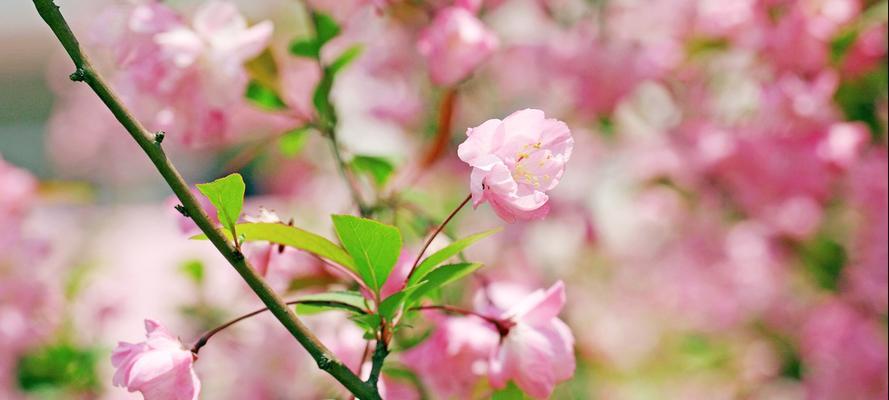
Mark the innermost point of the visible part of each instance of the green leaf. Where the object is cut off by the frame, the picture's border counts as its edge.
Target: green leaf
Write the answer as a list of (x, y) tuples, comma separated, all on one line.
[(447, 252), (292, 142), (59, 366), (296, 238), (194, 270), (374, 247), (392, 304), (824, 259), (321, 98), (305, 48), (510, 392), (345, 58), (377, 167), (440, 277), (227, 195), (264, 97), (341, 300), (326, 28), (368, 322)]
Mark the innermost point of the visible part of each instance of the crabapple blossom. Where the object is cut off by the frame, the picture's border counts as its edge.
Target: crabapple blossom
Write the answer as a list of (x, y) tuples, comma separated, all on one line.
[(537, 351), (185, 75), (516, 161), (845, 354), (455, 357), (159, 367), (454, 45)]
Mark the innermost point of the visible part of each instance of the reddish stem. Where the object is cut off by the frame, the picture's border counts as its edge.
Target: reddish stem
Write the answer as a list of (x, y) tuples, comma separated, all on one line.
[(434, 234), (503, 325), (443, 133)]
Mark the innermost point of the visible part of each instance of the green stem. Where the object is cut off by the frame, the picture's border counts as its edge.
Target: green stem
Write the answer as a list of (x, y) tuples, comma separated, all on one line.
[(380, 353), (150, 144), (343, 169)]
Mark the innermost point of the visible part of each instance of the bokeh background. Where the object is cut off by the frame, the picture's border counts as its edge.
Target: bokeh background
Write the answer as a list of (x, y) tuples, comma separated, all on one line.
[(721, 227)]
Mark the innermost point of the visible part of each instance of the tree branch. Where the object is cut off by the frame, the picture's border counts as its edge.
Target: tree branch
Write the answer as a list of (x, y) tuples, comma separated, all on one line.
[(379, 356), (49, 11)]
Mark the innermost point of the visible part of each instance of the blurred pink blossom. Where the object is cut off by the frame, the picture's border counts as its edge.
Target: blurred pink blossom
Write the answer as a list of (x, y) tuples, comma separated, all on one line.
[(537, 352), (515, 161), (188, 75), (159, 367), (454, 44), (845, 354), (455, 357), (867, 274), (867, 51)]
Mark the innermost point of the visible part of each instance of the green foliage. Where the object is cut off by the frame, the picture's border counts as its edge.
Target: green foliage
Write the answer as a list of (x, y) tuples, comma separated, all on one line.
[(340, 300), (194, 270), (440, 277), (305, 48), (326, 27), (429, 263), (390, 306), (264, 97), (510, 392), (367, 322), (345, 59), (294, 237), (321, 99), (841, 44), (824, 259), (61, 367), (227, 195), (378, 168), (292, 142), (374, 246), (860, 98)]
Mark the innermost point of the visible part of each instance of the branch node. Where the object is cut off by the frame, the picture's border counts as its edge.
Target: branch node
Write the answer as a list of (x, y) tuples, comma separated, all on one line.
[(78, 75), (237, 255), (182, 210), (325, 363), (159, 137)]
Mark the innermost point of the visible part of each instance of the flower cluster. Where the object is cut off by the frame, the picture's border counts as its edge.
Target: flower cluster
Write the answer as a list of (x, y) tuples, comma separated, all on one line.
[(715, 218)]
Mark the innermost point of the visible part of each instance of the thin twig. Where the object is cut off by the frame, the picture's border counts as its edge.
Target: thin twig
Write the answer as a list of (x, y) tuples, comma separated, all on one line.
[(84, 72), (198, 344), (434, 234), (503, 325)]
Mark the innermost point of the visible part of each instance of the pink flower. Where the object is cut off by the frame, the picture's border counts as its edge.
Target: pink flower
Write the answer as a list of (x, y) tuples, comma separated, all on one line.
[(454, 45), (186, 76), (159, 367), (538, 350), (516, 161), (844, 354), (455, 357), (18, 189), (217, 43)]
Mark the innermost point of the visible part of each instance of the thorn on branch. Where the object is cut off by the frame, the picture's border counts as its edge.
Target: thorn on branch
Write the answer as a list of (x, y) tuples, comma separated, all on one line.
[(78, 75), (159, 137), (182, 210), (325, 363), (238, 255)]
